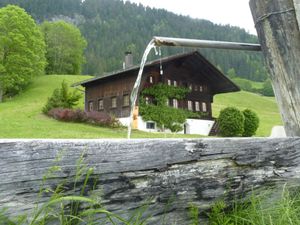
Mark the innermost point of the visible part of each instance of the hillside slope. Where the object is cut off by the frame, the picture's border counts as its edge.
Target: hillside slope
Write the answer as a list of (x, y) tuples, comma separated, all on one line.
[(112, 27), (21, 116), (265, 107)]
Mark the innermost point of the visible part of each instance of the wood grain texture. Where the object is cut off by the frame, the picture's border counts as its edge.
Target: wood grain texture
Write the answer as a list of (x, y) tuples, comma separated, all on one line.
[(130, 172), (278, 31)]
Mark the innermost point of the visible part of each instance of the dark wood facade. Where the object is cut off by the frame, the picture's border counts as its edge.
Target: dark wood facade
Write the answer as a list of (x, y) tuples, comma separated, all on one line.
[(111, 93)]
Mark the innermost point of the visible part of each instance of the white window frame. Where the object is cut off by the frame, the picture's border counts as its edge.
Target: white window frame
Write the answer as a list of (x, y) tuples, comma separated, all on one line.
[(114, 102), (175, 103), (190, 105), (100, 106), (204, 107), (169, 82), (91, 106), (126, 100), (175, 83), (151, 80), (197, 106)]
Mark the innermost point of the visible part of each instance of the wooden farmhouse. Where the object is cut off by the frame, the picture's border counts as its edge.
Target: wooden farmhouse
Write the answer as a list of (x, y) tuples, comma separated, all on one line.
[(111, 92)]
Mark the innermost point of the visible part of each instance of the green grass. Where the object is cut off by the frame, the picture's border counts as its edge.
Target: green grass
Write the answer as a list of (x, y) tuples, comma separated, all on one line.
[(21, 117), (254, 84), (265, 107), (273, 207)]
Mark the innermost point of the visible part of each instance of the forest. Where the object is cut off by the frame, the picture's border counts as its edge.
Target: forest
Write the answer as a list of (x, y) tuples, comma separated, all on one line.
[(112, 27)]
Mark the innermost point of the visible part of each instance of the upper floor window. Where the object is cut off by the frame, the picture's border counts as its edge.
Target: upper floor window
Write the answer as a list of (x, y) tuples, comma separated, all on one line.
[(201, 88), (204, 107), (190, 105), (175, 83), (100, 104), (175, 103), (125, 100), (197, 106), (151, 79), (114, 102), (91, 106)]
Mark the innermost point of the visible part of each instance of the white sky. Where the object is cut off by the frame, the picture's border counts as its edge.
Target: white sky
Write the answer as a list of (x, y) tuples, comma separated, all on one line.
[(233, 12)]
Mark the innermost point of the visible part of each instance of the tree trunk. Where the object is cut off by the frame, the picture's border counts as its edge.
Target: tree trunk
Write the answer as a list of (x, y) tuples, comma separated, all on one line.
[(278, 32), (173, 173)]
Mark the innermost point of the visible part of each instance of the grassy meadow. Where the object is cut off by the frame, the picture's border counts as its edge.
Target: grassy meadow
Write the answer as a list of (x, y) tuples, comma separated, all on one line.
[(21, 116)]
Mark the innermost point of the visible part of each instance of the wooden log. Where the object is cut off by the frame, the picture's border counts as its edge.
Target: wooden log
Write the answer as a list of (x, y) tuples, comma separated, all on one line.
[(196, 171), (278, 32)]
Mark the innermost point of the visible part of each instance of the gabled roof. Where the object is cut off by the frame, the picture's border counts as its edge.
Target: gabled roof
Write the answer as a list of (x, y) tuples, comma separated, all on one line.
[(196, 62)]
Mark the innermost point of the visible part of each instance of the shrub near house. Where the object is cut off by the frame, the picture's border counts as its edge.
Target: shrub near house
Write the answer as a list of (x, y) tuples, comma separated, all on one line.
[(234, 123), (59, 106)]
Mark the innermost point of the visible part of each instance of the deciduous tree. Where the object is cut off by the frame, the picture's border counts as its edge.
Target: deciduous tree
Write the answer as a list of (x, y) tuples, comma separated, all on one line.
[(65, 46), (22, 50)]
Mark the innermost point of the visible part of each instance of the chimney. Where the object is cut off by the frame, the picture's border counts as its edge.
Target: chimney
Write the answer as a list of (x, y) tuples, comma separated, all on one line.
[(128, 60)]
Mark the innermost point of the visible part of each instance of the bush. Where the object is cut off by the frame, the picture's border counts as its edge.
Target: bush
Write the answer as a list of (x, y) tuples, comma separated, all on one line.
[(62, 98), (231, 122), (96, 118), (251, 123), (267, 89)]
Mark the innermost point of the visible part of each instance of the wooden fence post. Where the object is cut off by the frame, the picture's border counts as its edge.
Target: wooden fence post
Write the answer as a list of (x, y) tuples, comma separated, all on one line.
[(278, 32)]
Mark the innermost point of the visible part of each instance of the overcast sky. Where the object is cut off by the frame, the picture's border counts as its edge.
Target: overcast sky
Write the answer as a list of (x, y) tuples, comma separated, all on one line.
[(233, 12)]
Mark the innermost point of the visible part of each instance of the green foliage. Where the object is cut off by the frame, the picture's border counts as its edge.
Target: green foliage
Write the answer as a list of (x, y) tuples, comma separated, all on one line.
[(62, 98), (243, 84), (231, 122), (112, 26), (271, 207), (160, 112), (231, 73), (22, 50), (267, 89), (65, 47), (251, 123)]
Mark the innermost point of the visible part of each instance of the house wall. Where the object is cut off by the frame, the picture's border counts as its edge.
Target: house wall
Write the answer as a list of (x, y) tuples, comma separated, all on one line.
[(120, 85), (185, 78), (192, 126), (108, 89)]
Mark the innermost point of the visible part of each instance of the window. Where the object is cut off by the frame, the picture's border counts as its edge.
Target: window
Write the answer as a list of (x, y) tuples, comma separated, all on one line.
[(114, 102), (125, 100), (169, 82), (197, 106), (204, 108), (196, 87), (190, 86), (91, 106), (100, 104), (151, 79), (147, 100), (175, 103), (201, 88), (150, 125), (190, 105), (175, 83)]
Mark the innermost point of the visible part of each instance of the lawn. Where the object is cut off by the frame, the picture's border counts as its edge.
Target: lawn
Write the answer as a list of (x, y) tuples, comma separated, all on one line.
[(21, 117), (265, 107)]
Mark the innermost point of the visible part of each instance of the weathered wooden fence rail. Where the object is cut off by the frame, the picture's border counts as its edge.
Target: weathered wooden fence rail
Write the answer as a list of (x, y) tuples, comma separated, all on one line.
[(196, 171)]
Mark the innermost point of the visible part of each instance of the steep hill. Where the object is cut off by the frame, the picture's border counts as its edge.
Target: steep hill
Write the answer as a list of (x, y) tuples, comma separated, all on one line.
[(112, 27), (21, 116)]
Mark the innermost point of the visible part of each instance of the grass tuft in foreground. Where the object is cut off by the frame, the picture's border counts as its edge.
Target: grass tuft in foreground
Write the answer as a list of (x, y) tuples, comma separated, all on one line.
[(267, 208)]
